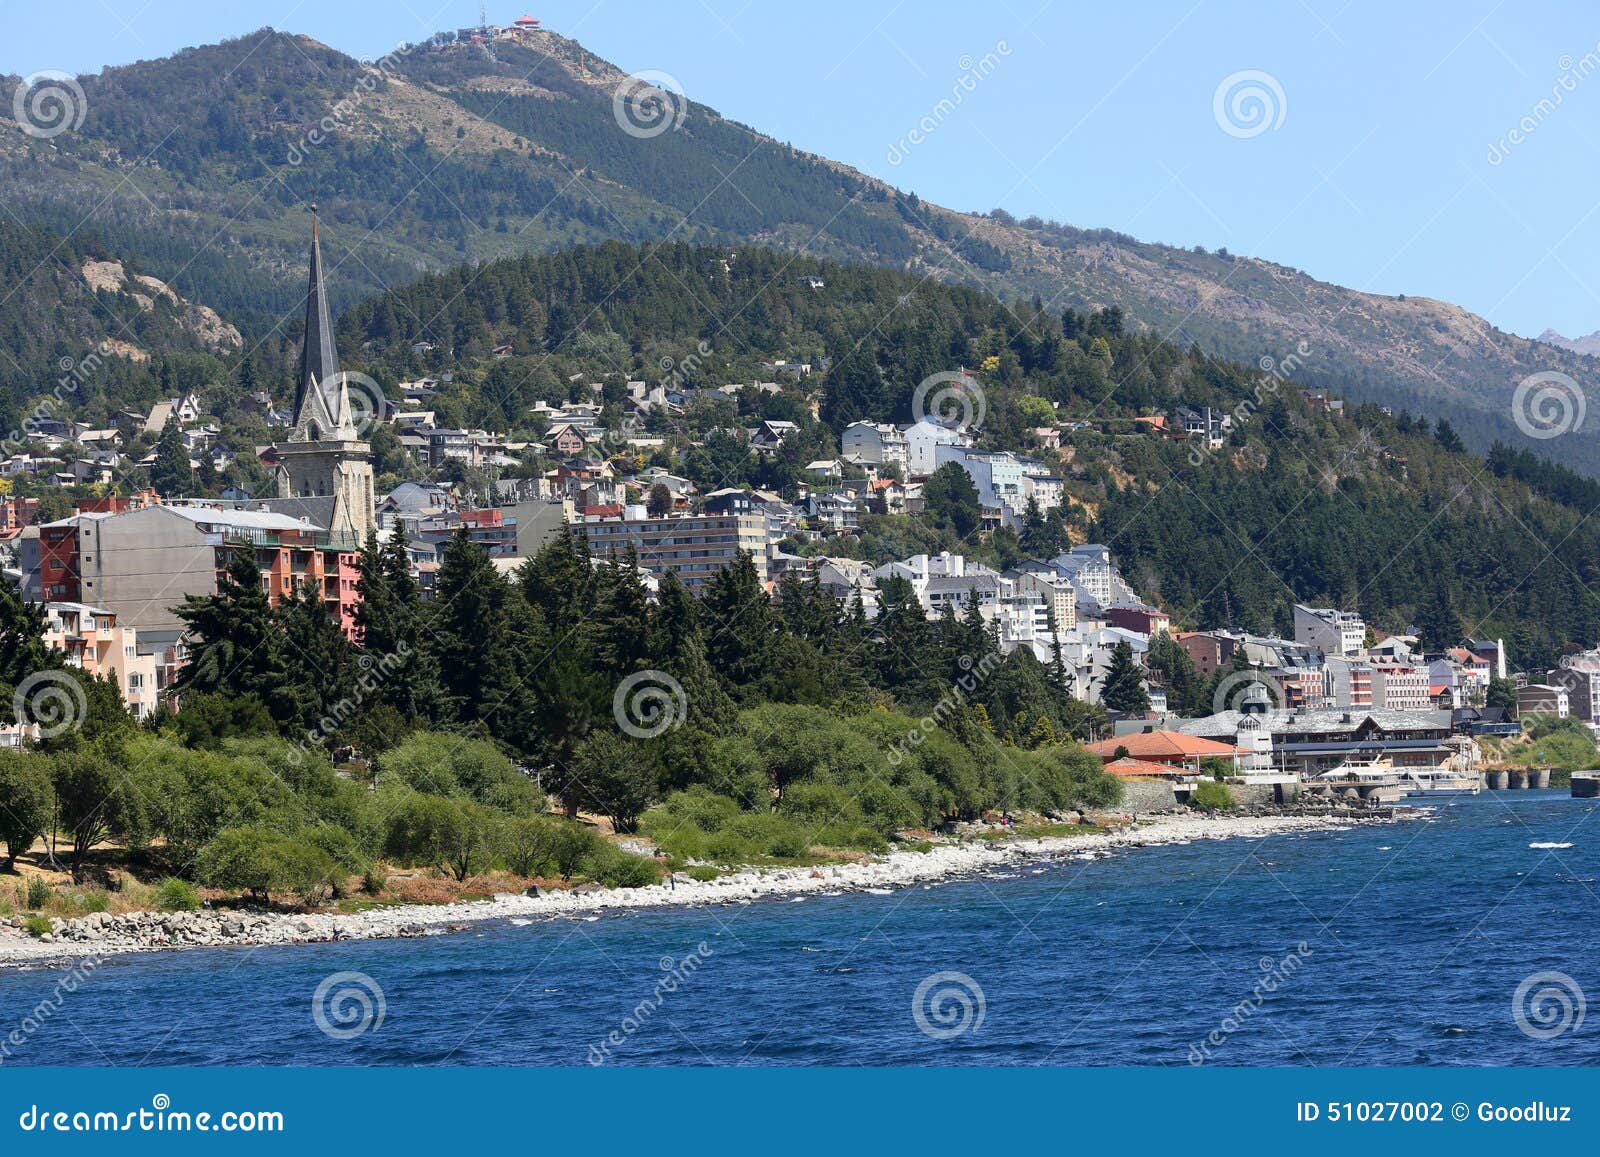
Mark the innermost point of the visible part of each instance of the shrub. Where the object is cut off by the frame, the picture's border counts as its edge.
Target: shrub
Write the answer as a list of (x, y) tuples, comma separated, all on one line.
[(37, 925), (261, 861), (530, 844), (38, 893), (1209, 795), (619, 869), (175, 895)]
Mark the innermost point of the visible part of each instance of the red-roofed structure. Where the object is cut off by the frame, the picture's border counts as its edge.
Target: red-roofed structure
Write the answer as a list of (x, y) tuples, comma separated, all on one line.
[(1147, 769), (1172, 748)]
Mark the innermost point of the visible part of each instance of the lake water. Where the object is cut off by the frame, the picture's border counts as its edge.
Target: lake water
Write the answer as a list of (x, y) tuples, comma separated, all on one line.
[(1396, 944)]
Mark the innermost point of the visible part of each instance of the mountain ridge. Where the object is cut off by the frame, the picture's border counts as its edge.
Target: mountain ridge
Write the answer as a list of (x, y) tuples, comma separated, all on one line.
[(517, 150)]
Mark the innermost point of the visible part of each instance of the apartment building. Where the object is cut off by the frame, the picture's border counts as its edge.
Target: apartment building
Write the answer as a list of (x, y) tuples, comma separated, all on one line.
[(693, 547)]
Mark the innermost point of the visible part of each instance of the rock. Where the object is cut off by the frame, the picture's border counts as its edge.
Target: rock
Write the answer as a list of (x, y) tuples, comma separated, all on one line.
[(533, 890), (588, 887)]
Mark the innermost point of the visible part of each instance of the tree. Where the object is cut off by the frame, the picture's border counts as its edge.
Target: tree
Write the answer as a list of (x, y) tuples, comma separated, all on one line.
[(619, 775), (23, 650), (741, 629), (457, 836), (170, 474), (262, 861), (236, 644), (391, 628), (530, 844), (26, 796), (659, 504), (94, 801), (1439, 626), (318, 665), (480, 638), (1501, 693), (951, 500), (1123, 688), (206, 721)]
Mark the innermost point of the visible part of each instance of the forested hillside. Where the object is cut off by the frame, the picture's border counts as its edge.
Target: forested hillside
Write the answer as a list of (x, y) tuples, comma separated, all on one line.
[(1385, 513), (200, 166), (77, 327)]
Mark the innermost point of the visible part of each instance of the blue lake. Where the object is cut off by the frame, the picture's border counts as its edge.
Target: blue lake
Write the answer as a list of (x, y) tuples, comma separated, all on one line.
[(1397, 944)]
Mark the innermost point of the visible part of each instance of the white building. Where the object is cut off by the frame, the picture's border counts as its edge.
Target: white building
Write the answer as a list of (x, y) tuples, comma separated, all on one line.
[(923, 440)]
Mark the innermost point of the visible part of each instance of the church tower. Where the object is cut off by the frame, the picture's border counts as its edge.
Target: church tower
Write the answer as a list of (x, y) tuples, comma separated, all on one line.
[(325, 461)]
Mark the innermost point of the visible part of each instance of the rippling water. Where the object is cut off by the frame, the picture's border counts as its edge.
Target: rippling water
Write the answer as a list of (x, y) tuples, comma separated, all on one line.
[(1416, 937)]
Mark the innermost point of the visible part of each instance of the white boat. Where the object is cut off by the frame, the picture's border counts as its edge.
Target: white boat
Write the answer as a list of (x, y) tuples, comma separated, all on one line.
[(1369, 778), (1441, 782)]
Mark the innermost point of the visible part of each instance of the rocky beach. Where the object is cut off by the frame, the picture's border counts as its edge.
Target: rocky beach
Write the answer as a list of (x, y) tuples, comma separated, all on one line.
[(104, 934)]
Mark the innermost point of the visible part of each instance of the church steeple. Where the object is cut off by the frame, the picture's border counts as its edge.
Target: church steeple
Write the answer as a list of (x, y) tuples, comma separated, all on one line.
[(324, 464), (320, 396)]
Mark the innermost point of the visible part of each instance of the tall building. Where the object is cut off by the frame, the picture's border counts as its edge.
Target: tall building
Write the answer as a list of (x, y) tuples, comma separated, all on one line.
[(1330, 630), (325, 463)]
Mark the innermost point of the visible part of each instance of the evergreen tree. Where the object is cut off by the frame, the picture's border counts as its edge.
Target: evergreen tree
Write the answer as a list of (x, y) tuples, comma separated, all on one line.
[(740, 629), (679, 649), (476, 626), (170, 474), (318, 664), (1439, 626), (904, 640), (621, 628), (1123, 690), (23, 650), (391, 627), (235, 644), (951, 500)]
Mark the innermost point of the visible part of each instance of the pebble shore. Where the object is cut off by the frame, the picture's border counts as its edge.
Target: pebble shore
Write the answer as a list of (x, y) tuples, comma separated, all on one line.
[(102, 934)]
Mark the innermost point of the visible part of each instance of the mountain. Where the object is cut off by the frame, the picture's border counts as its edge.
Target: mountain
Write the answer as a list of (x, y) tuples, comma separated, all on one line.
[(1589, 344), (201, 164)]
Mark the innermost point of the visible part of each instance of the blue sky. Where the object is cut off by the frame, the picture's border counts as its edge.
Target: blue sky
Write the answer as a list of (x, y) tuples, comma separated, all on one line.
[(1388, 163)]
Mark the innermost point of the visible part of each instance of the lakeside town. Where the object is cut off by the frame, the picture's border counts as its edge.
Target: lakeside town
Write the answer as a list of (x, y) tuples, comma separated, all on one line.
[(1336, 709)]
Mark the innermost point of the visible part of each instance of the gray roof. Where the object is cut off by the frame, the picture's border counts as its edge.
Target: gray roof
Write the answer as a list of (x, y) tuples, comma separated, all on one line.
[(962, 584), (1322, 721)]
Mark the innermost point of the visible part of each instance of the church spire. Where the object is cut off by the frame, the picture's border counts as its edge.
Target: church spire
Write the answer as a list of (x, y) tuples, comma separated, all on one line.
[(319, 363)]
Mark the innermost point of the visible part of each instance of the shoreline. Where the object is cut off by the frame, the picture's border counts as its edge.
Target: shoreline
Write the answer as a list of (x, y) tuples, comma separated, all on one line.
[(101, 935)]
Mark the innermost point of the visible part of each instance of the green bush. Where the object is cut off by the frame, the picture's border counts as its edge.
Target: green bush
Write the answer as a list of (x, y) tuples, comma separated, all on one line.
[(261, 861), (37, 925), (38, 893), (1209, 795), (619, 869), (175, 895)]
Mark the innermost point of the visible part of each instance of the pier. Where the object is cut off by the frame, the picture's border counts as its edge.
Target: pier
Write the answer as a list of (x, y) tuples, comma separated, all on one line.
[(1517, 779)]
